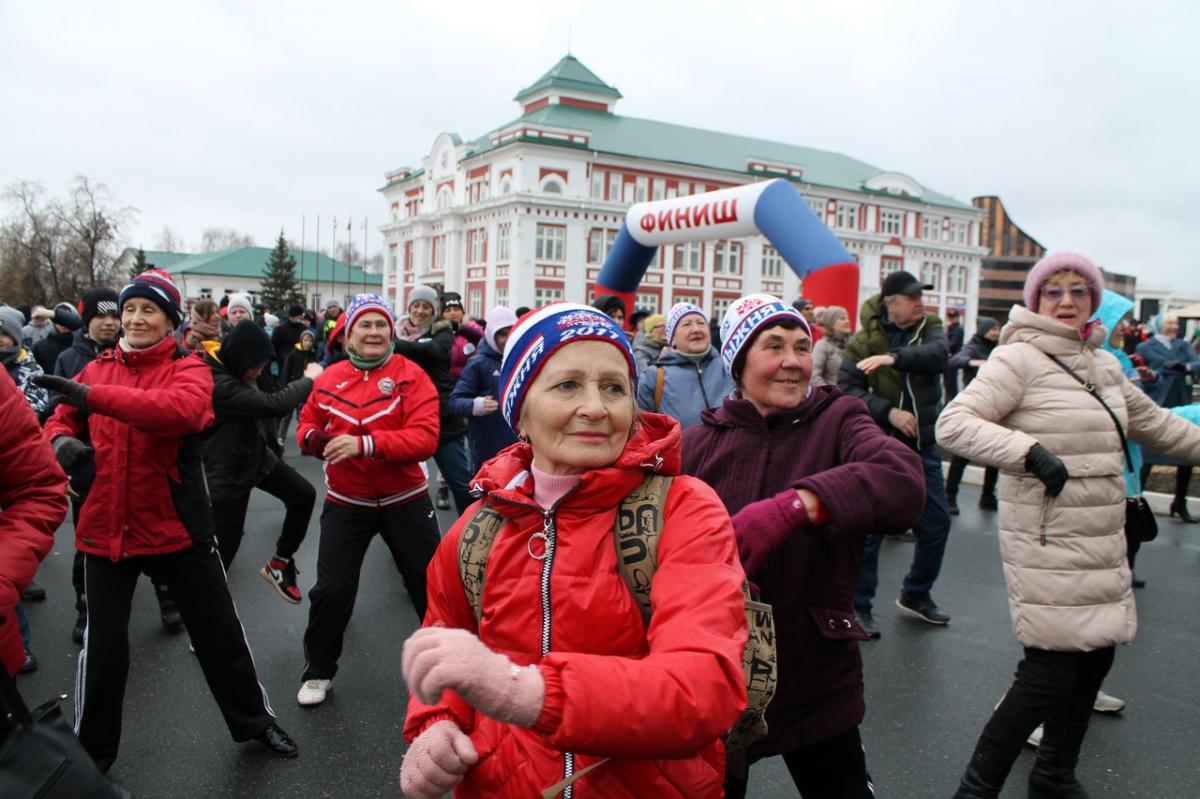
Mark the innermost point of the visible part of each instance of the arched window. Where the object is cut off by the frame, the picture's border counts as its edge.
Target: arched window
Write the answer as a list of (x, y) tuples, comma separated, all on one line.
[(506, 186), (444, 198), (552, 186)]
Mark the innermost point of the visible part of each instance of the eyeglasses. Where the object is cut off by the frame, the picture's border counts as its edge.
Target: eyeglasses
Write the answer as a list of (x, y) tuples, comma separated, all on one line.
[(1055, 293)]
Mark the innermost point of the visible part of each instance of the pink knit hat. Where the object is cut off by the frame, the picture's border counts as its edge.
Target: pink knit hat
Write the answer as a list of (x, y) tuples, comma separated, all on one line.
[(1056, 262)]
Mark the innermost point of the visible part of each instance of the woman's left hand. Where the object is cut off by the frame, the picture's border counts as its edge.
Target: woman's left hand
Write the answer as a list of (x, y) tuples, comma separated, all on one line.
[(440, 658), (342, 448)]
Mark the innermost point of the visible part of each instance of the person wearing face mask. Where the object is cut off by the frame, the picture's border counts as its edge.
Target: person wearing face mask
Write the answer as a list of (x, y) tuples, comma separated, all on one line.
[(373, 419), (969, 358), (686, 379), (554, 675), (828, 353), (476, 395), (1170, 358), (895, 364), (148, 512), (1042, 410), (792, 464), (429, 342), (19, 362)]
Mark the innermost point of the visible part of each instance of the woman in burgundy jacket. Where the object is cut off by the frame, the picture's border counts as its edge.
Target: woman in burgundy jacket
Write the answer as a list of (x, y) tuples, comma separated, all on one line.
[(806, 475)]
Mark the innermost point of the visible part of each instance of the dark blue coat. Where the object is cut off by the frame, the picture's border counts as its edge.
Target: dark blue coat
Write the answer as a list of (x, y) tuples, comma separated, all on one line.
[(1170, 389), (488, 434)]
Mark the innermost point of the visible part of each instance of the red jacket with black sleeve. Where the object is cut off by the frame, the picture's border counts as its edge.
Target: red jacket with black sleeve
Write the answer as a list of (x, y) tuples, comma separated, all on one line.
[(145, 411), (393, 411), (33, 502)]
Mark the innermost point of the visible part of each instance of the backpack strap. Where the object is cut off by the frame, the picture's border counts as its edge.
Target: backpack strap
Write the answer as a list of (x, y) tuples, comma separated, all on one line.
[(636, 530), (474, 545), (658, 388)]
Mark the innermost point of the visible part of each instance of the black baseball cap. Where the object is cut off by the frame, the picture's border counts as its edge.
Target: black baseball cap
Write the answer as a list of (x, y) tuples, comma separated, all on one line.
[(903, 283)]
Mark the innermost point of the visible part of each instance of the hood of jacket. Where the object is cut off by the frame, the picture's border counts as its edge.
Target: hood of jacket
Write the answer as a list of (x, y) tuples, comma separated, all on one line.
[(498, 318), (672, 357), (654, 446), (245, 346), (1112, 310)]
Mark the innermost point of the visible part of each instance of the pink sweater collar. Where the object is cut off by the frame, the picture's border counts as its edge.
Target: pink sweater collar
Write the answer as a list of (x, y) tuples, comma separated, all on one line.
[(548, 488)]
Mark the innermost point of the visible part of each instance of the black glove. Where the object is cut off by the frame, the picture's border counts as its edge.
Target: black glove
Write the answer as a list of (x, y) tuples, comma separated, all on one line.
[(1047, 467), (315, 442), (73, 392), (1176, 366), (71, 452)]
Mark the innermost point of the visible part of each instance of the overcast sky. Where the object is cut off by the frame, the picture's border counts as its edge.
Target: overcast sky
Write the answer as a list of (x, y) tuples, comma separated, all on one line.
[(1082, 116)]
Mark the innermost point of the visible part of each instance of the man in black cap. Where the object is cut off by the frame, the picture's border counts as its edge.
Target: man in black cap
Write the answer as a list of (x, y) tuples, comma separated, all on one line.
[(66, 321), (286, 334), (895, 364)]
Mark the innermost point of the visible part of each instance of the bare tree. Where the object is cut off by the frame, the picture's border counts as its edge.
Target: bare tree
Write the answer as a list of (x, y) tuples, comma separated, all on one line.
[(168, 240), (93, 225), (215, 239), (347, 253)]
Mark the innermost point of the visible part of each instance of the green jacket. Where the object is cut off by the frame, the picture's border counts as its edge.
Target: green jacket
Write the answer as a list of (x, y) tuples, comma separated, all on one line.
[(914, 384)]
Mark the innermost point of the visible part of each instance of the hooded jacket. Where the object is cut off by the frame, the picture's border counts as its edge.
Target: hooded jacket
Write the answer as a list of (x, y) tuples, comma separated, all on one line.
[(486, 434), (46, 351), (431, 350), (646, 351), (240, 448), (1065, 563), (466, 339), (830, 446), (145, 411), (689, 387), (977, 349), (33, 502), (656, 700), (22, 368), (393, 411), (914, 384), (1171, 388), (82, 352), (1113, 308)]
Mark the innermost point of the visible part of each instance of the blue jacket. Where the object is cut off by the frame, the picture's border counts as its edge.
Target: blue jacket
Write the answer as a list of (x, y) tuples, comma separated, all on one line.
[(1171, 388), (1113, 308), (688, 387), (488, 434)]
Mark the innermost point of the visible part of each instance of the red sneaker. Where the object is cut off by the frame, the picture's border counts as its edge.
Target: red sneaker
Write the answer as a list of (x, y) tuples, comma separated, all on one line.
[(282, 575)]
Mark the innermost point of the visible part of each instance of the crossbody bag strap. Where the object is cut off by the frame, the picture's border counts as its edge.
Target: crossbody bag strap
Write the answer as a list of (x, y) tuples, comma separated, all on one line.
[(1090, 388)]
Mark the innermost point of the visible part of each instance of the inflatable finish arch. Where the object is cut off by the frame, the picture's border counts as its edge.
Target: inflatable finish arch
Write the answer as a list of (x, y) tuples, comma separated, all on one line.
[(773, 208)]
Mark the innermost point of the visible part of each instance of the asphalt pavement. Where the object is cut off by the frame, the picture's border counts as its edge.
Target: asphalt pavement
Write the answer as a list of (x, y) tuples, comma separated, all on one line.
[(929, 689)]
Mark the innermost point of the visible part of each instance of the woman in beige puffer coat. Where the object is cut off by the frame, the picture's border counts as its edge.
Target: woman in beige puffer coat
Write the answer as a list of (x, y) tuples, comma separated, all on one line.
[(1065, 565)]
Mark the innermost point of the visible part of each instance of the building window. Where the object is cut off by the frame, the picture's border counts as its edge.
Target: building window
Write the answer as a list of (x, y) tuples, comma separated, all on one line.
[(550, 242), (475, 303), (477, 246), (719, 306), (506, 186), (956, 280), (600, 242), (690, 299), (932, 274), (444, 198), (552, 186), (545, 296), (772, 263), (847, 216), (477, 190), (597, 184), (727, 258), (931, 228), (408, 261), (393, 260), (640, 194), (205, 294), (503, 236), (657, 186), (889, 222), (438, 254), (888, 265), (818, 207), (648, 301), (689, 257), (502, 295), (614, 187), (958, 231)]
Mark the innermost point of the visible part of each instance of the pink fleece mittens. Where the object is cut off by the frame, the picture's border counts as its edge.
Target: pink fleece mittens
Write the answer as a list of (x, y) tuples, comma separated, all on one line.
[(440, 658), (436, 761)]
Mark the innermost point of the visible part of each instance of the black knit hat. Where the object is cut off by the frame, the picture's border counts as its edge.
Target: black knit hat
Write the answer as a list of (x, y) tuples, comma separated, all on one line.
[(245, 346), (66, 316), (97, 302)]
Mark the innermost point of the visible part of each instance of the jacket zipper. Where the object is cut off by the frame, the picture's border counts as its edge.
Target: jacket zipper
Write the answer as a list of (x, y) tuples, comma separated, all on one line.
[(700, 380), (908, 384)]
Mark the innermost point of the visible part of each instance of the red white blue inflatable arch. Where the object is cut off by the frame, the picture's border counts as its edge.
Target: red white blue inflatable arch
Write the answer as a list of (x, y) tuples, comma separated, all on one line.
[(772, 208)]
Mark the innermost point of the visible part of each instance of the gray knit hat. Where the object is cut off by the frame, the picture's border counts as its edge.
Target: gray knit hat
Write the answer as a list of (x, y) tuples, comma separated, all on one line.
[(11, 322), (427, 294)]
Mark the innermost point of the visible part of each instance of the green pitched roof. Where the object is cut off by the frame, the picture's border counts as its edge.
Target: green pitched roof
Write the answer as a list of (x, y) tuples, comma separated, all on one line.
[(568, 73), (161, 259), (250, 262), (663, 141)]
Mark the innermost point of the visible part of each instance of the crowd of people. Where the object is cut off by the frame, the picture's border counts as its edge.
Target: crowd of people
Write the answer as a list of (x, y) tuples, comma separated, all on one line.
[(592, 454)]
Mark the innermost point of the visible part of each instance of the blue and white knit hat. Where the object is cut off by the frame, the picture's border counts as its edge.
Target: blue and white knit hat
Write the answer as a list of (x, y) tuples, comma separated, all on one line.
[(747, 316), (369, 303), (538, 334), (158, 287), (676, 314)]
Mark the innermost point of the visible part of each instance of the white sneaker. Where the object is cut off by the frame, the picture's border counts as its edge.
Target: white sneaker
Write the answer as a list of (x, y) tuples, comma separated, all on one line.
[(1107, 704), (1035, 737), (313, 692)]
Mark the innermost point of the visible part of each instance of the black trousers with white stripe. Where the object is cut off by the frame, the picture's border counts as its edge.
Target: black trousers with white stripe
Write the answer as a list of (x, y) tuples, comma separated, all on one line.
[(410, 532), (197, 582)]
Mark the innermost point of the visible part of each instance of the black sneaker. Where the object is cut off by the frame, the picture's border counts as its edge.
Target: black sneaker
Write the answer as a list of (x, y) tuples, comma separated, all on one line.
[(867, 622), (28, 664), (33, 593), (172, 622), (988, 502), (924, 609), (277, 742), (952, 505), (443, 498)]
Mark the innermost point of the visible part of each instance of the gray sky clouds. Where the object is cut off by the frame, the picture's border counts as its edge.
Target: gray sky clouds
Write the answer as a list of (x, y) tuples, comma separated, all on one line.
[(1081, 117)]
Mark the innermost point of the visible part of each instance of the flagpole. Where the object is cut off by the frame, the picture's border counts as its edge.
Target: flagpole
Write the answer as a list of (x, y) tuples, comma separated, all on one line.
[(364, 273), (317, 276), (349, 253), (303, 282), (333, 266)]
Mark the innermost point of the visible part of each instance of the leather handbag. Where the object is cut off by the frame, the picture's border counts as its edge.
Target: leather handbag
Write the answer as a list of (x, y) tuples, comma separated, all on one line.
[(1140, 524), (40, 755)]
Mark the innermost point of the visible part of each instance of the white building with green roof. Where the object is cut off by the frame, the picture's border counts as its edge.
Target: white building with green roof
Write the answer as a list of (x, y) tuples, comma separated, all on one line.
[(525, 214), (212, 275)]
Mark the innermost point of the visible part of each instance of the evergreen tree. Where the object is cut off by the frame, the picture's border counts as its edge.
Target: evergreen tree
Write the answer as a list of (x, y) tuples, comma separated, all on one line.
[(139, 263), (279, 285)]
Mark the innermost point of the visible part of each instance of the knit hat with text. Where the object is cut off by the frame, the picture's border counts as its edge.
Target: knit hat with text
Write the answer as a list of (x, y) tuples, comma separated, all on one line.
[(745, 317), (158, 287), (369, 303), (99, 302), (539, 334), (676, 314)]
